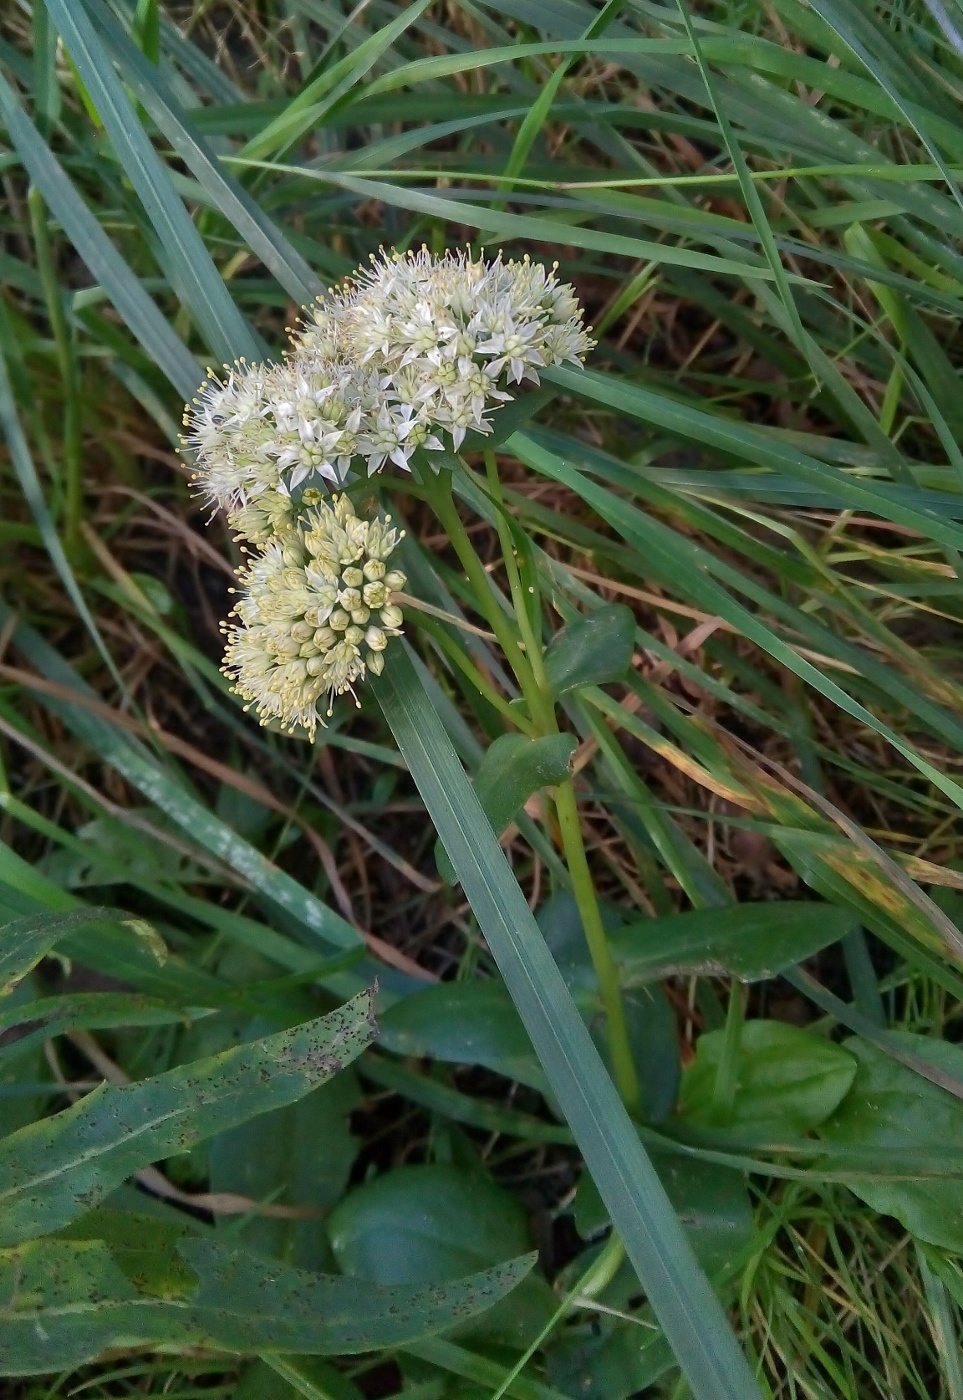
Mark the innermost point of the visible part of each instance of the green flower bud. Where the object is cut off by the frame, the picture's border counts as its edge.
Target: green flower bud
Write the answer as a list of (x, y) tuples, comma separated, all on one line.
[(375, 595)]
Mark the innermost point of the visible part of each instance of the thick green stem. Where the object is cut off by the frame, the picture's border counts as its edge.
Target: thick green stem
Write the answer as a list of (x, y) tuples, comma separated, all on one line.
[(606, 970), (724, 1089), (440, 495), (530, 672)]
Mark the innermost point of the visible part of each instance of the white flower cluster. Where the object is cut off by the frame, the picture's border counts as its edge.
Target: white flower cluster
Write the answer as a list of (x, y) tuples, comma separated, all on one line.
[(315, 616), (413, 347)]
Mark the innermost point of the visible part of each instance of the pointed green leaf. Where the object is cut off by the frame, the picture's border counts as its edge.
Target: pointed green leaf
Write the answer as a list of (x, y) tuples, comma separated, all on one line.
[(751, 941), (23, 942), (66, 1301), (594, 650), (46, 1017), (57, 1168), (514, 767)]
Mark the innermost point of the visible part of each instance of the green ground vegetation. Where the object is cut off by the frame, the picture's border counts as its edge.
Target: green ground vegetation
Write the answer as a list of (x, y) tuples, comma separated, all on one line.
[(733, 546)]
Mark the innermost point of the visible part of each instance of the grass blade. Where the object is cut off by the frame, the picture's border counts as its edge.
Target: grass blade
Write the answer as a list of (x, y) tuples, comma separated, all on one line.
[(259, 232), (196, 279), (145, 321), (26, 472), (685, 1305)]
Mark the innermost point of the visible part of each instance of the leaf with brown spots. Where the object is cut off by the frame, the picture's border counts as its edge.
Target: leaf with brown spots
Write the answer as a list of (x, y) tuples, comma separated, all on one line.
[(56, 1169)]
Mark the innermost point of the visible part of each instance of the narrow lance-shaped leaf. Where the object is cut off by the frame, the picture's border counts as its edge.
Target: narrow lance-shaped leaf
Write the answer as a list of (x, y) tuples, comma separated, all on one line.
[(23, 465), (134, 761), (260, 233), (23, 942), (752, 941), (592, 650), (750, 444), (144, 320), (512, 769), (644, 534), (56, 1169), (509, 225), (63, 1302)]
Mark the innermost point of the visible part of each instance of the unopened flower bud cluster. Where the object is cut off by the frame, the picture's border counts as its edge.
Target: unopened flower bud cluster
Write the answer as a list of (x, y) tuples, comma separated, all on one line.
[(414, 349), (315, 615)]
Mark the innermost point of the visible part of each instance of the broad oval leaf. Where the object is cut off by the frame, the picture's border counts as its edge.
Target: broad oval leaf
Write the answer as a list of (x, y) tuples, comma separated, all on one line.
[(423, 1223), (66, 1301), (787, 1080), (468, 1023), (58, 1168), (514, 767), (890, 1106), (592, 651), (751, 941)]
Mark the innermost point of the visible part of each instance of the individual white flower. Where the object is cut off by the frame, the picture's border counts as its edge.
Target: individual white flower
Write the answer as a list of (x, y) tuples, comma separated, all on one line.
[(315, 614)]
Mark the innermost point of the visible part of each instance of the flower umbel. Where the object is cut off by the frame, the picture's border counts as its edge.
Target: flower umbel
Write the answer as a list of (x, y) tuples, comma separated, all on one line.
[(446, 335), (315, 615), (413, 349)]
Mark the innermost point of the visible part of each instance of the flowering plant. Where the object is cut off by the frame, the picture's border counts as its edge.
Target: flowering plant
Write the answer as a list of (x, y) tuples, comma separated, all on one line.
[(413, 349)]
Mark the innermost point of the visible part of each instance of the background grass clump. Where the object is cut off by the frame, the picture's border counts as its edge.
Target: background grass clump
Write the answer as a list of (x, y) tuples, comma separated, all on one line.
[(737, 537)]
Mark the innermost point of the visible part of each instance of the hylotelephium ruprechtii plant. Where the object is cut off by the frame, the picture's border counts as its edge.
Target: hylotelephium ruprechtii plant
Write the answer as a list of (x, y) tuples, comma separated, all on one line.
[(414, 350)]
